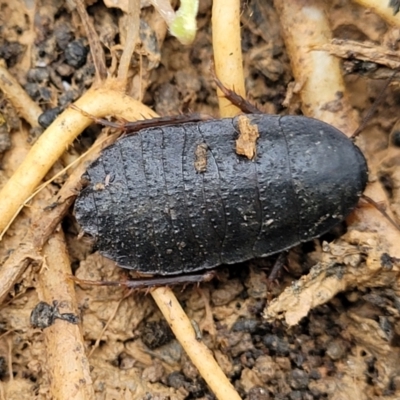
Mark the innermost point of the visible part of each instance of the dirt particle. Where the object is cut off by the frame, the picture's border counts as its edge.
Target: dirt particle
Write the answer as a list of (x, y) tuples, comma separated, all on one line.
[(336, 350), (156, 334), (248, 135), (200, 157), (9, 51), (298, 379), (46, 118), (154, 373), (75, 54)]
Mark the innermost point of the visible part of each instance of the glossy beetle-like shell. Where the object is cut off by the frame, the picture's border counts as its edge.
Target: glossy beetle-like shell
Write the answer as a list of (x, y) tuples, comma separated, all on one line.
[(151, 210)]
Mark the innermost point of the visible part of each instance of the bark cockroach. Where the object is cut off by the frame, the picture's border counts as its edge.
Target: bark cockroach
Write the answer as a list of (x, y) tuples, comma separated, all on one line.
[(161, 214)]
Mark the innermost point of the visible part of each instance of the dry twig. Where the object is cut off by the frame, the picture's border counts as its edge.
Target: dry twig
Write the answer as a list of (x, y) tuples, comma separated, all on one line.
[(227, 53), (25, 106), (382, 9), (96, 47), (67, 364), (318, 74), (363, 51)]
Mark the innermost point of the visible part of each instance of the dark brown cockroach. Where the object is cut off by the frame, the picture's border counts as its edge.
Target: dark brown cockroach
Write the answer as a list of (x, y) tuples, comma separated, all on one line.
[(160, 214)]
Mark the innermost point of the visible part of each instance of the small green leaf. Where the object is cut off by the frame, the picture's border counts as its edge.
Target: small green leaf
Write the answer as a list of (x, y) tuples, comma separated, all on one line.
[(184, 26)]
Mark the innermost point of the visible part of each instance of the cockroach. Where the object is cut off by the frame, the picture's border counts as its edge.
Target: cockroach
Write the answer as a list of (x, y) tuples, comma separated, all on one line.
[(151, 208)]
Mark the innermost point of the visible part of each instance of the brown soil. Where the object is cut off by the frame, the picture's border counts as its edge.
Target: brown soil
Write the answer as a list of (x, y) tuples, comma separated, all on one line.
[(347, 348)]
